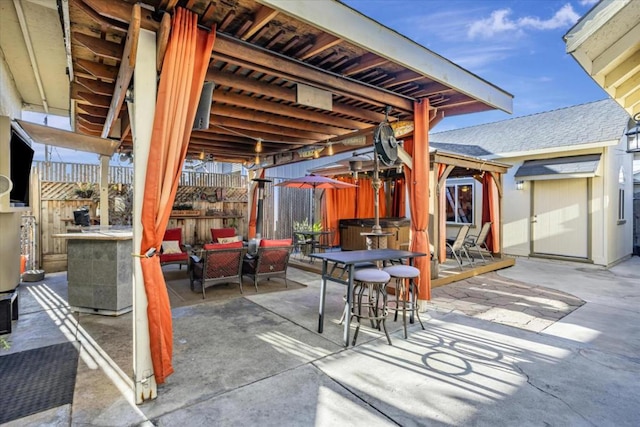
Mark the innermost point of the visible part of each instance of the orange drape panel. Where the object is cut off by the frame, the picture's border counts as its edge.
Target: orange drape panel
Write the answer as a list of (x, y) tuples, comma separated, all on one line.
[(183, 72), (398, 208), (253, 215), (348, 203), (442, 218), (418, 183), (382, 203), (364, 199), (491, 211), (337, 205)]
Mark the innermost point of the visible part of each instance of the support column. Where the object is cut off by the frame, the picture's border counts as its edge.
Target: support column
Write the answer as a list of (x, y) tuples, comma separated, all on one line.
[(104, 192), (142, 113)]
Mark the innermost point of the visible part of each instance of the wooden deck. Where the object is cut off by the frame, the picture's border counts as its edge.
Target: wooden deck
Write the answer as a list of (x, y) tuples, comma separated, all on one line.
[(449, 271)]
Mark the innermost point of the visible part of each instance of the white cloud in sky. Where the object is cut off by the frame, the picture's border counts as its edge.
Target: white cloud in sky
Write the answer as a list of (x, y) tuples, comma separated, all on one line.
[(588, 2), (500, 22)]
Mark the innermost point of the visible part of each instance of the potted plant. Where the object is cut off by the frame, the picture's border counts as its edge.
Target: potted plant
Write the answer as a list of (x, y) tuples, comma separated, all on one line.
[(305, 242), (84, 190)]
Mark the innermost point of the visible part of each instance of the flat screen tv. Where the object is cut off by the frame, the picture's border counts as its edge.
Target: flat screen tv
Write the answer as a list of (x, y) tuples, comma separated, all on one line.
[(21, 159)]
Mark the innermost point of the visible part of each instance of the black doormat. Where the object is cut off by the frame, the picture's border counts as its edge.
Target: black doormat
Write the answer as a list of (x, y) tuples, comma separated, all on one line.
[(33, 381)]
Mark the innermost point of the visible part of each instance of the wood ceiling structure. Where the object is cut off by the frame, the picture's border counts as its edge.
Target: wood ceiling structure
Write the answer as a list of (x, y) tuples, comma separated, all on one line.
[(266, 52)]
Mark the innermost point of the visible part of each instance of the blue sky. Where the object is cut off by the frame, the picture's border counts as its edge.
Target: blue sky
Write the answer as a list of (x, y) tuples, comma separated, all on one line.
[(516, 45)]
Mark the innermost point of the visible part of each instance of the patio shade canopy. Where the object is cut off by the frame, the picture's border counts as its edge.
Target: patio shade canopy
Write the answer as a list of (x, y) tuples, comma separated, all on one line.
[(313, 182), (463, 166), (289, 76), (66, 139), (561, 167)]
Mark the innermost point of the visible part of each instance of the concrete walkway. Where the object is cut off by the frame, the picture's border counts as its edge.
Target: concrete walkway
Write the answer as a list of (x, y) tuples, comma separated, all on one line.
[(258, 360)]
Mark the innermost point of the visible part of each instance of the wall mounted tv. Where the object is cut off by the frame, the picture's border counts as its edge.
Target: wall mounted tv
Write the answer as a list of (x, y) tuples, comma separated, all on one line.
[(21, 159)]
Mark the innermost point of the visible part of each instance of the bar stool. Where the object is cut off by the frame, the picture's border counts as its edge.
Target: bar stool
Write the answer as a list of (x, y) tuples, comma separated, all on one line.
[(406, 295), (370, 299)]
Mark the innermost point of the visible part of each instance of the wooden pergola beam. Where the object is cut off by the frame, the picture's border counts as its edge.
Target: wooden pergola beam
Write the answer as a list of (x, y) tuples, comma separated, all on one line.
[(228, 49), (273, 129), (261, 18), (364, 63), (121, 11), (96, 86), (274, 119), (285, 110), (102, 48), (98, 70), (127, 64), (249, 84), (323, 42)]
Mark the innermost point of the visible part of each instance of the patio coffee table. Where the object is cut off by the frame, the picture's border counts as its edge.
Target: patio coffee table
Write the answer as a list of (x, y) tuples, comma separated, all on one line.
[(347, 260)]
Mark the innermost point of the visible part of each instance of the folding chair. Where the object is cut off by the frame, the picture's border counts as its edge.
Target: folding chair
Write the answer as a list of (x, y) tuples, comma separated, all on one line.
[(457, 247), (479, 242)]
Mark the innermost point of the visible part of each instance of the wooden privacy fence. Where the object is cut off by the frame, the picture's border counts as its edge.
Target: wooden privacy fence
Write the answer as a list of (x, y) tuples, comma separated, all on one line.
[(212, 200), (77, 172)]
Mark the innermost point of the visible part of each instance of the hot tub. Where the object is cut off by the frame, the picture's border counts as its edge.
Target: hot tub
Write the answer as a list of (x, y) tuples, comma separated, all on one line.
[(350, 229)]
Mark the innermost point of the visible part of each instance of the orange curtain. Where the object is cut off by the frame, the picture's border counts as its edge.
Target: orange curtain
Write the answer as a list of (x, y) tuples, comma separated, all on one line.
[(442, 218), (382, 202), (491, 211), (398, 206), (337, 205), (183, 72), (418, 183), (253, 215), (364, 199)]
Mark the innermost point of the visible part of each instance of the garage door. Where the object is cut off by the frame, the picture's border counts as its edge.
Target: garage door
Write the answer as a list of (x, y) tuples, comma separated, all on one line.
[(560, 218)]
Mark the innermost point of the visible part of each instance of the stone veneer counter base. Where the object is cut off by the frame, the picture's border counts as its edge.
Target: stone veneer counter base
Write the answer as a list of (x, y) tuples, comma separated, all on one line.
[(99, 272)]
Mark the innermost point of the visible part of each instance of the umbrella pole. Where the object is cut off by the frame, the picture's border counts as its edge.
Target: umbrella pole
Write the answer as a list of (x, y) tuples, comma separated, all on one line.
[(313, 207)]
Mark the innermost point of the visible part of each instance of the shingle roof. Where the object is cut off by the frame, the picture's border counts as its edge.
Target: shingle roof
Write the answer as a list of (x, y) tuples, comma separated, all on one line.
[(594, 122), (570, 165)]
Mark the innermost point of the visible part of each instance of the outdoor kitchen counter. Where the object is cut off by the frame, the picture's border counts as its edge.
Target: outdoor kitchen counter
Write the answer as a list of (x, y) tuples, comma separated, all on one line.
[(99, 270)]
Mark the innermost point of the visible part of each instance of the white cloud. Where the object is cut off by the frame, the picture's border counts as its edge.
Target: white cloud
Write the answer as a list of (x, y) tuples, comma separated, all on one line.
[(588, 2), (565, 17), (500, 23)]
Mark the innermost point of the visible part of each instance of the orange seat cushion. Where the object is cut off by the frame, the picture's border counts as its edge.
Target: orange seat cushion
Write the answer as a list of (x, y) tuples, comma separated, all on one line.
[(275, 242), (213, 246)]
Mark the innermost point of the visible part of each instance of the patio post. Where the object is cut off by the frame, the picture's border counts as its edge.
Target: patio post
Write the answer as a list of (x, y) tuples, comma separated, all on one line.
[(142, 113)]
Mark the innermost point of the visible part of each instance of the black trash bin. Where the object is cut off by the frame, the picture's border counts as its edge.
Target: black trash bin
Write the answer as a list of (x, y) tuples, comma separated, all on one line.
[(81, 217)]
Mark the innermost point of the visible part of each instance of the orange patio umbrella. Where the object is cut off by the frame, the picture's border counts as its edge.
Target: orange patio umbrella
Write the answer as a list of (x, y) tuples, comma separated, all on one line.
[(312, 182)]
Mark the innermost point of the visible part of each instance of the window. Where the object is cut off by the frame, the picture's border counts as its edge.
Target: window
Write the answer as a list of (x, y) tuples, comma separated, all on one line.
[(459, 202), (620, 204)]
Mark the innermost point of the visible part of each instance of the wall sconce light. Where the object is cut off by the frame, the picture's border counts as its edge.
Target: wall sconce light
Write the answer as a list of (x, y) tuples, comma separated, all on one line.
[(330, 149), (633, 136), (519, 185)]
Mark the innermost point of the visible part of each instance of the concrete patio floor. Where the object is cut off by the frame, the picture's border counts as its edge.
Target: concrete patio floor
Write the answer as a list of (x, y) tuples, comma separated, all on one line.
[(540, 343)]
